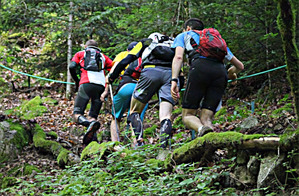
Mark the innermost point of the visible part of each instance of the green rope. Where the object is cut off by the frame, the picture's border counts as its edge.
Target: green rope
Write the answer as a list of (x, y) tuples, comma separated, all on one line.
[(258, 73), (41, 78)]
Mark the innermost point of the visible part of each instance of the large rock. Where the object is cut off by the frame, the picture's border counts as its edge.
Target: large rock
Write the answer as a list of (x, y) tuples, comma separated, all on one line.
[(13, 138), (271, 170), (249, 123), (243, 177)]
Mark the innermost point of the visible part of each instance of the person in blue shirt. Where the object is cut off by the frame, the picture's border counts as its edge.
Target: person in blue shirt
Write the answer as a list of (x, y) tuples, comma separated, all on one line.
[(207, 79)]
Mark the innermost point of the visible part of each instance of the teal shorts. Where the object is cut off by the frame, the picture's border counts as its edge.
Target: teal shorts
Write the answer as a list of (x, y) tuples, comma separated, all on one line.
[(122, 100)]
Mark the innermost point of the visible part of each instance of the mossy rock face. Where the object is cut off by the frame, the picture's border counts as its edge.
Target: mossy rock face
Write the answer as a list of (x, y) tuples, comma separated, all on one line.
[(64, 157), (194, 150), (13, 137)]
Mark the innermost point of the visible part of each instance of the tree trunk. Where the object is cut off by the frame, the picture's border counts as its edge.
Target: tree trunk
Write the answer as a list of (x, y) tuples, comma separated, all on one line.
[(69, 52), (287, 27)]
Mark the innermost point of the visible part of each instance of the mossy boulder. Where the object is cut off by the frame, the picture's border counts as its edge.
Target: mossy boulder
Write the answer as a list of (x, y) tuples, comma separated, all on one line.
[(200, 147), (64, 156), (13, 137)]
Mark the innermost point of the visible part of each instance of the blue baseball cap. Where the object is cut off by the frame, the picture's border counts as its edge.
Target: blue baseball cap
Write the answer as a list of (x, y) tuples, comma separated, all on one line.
[(131, 45)]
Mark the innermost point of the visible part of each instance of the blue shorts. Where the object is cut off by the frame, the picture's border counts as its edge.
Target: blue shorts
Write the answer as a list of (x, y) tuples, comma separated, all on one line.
[(122, 100)]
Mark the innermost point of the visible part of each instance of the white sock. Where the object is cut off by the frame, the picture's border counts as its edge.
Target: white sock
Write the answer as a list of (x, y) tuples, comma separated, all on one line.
[(199, 128)]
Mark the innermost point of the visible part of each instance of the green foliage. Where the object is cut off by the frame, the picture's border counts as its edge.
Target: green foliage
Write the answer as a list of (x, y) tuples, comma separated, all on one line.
[(150, 131), (123, 173)]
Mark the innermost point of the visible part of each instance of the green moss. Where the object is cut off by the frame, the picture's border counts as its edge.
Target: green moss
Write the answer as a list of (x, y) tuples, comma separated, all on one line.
[(151, 130), (62, 158), (224, 137), (95, 148), (39, 141), (29, 168), (217, 139), (254, 136), (21, 138), (8, 181), (32, 108), (28, 109), (290, 136), (288, 107), (49, 101), (228, 137)]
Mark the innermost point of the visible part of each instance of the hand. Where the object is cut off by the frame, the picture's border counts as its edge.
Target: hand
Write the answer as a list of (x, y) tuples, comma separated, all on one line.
[(232, 76), (108, 79), (104, 95), (175, 91)]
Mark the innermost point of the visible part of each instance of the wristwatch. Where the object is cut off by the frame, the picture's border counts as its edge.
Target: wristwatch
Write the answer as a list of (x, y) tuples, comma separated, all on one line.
[(175, 80)]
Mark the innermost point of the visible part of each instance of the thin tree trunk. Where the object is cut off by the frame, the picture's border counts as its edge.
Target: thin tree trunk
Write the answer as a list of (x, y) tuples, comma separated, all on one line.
[(287, 27), (69, 52)]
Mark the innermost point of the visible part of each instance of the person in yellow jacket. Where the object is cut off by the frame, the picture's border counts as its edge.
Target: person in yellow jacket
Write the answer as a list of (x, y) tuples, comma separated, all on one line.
[(124, 91)]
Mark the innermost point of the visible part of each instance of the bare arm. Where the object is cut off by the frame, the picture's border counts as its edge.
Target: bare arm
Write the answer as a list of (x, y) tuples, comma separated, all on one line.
[(237, 65), (235, 69), (176, 67)]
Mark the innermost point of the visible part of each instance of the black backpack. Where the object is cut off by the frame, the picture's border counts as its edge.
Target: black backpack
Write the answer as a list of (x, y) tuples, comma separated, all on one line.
[(92, 59)]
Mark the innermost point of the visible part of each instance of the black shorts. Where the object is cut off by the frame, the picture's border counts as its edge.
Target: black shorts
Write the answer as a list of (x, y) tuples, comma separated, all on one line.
[(206, 83), (86, 92)]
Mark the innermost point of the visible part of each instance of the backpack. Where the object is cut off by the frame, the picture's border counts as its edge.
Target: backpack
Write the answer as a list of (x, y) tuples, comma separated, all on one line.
[(92, 59), (134, 69), (211, 44), (160, 48)]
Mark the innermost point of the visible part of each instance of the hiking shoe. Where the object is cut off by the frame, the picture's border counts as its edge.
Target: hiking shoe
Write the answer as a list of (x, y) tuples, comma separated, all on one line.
[(164, 141), (91, 130), (204, 130)]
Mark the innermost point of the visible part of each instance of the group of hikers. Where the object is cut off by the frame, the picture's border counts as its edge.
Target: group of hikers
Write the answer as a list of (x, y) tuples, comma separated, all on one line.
[(153, 66)]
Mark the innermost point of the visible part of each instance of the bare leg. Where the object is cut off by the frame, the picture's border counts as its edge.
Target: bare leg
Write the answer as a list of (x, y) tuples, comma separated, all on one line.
[(136, 106), (135, 121), (190, 119), (165, 110), (206, 117), (165, 122), (113, 130)]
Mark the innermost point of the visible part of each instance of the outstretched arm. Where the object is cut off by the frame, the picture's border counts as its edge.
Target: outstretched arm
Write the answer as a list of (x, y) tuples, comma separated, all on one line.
[(117, 69)]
